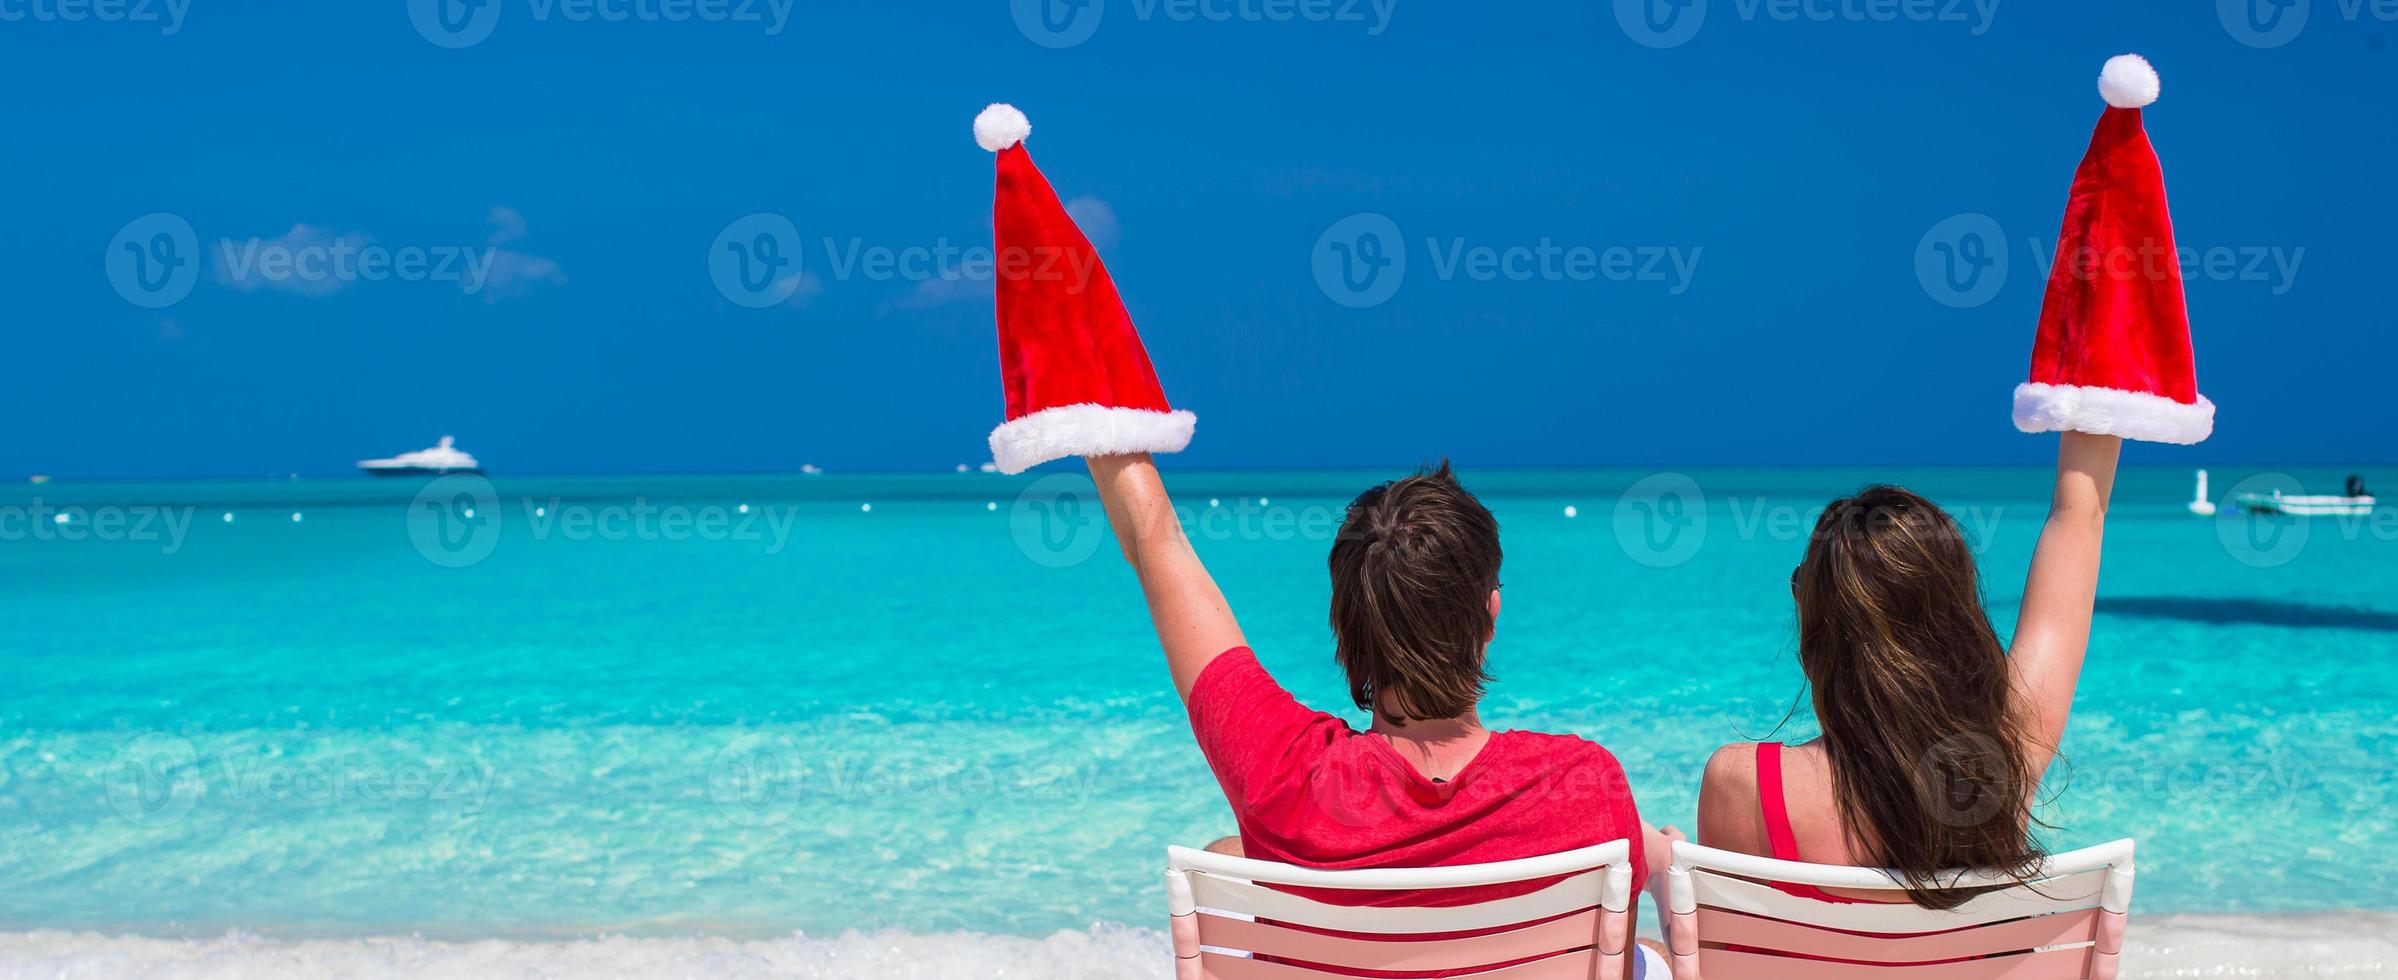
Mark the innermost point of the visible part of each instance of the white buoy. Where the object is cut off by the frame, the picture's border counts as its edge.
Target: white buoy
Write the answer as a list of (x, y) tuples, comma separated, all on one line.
[(865, 508), (993, 505), (2199, 504), (60, 519), (1213, 502), (228, 517), (295, 517), (1570, 511), (470, 512), (745, 508), (537, 512), (1265, 501)]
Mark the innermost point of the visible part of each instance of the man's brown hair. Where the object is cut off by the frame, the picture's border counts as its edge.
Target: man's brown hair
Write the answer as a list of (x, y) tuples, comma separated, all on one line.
[(1412, 572)]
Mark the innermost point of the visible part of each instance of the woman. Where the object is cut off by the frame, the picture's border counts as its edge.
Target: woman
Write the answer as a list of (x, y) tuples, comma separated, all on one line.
[(1934, 735)]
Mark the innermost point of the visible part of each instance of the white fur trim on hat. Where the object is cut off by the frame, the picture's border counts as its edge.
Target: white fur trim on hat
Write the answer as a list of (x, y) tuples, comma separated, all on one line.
[(1000, 126), (1087, 429), (2112, 412), (2128, 82)]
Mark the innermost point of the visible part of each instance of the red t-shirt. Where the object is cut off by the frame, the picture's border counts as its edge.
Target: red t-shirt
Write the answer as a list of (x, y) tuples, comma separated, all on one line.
[(1308, 790)]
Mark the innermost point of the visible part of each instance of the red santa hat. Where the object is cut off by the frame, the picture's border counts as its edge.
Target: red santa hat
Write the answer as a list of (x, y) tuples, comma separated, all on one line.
[(1078, 381), (2113, 357)]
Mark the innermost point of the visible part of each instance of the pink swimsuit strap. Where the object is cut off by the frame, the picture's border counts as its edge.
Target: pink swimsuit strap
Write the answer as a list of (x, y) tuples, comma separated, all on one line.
[(1777, 824)]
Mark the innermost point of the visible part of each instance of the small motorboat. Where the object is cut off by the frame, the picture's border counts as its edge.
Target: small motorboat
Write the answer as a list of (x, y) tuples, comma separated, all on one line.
[(440, 460), (2357, 501)]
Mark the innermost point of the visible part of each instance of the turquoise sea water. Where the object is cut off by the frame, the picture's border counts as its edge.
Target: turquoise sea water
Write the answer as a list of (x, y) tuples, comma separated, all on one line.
[(624, 704)]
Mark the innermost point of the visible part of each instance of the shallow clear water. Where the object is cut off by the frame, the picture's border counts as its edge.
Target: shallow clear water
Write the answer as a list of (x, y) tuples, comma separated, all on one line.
[(642, 710)]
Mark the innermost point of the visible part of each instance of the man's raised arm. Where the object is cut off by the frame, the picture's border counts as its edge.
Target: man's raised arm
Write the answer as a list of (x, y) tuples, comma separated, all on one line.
[(1193, 622)]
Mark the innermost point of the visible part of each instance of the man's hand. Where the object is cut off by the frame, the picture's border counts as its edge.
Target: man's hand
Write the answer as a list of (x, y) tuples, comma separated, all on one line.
[(1193, 622), (1658, 848)]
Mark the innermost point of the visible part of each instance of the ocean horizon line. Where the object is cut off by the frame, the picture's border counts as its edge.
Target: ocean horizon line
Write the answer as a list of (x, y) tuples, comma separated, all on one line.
[(350, 475)]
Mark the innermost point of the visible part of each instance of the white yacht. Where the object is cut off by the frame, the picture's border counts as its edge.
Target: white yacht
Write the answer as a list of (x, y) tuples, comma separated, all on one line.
[(442, 459)]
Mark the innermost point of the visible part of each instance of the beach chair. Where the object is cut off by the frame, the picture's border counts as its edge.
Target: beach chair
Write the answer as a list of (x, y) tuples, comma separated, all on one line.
[(1228, 925), (2067, 922)]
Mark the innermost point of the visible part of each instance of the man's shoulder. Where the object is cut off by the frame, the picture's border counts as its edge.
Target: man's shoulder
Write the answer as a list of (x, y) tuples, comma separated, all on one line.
[(1575, 778), (1235, 706), (1563, 747)]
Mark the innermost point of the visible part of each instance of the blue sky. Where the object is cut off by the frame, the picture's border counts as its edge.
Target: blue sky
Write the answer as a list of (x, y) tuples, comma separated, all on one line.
[(1624, 244)]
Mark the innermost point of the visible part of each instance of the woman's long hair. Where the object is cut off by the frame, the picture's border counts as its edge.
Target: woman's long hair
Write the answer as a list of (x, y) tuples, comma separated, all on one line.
[(1913, 694)]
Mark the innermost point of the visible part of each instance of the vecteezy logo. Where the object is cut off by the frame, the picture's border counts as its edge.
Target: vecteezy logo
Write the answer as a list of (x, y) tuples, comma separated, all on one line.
[(2262, 540), (454, 23), (755, 260), (1958, 775), (756, 780), (154, 260), (1058, 23), (455, 520), (1962, 261), (1353, 791), (154, 780), (1662, 520), (1660, 23), (2263, 23), (1360, 260), (1056, 521)]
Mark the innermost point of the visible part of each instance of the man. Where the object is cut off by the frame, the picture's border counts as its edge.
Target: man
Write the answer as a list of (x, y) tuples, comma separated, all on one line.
[(1415, 599), (1415, 595)]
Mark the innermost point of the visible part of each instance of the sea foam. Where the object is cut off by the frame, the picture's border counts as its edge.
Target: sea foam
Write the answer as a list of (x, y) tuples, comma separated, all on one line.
[(2337, 944)]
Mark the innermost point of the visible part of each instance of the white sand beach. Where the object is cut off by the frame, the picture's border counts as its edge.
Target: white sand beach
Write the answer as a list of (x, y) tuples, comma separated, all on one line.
[(2338, 944)]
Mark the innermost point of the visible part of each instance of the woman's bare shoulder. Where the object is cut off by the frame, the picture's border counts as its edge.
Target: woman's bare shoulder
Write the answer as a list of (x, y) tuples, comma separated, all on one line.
[(1737, 761), (1728, 815)]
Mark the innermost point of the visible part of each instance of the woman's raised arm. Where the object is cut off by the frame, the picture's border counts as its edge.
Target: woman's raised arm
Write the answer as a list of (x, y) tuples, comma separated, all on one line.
[(2053, 630)]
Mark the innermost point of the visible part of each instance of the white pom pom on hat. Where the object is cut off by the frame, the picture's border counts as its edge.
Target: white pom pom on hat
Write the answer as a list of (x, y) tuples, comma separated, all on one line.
[(2127, 82), (1000, 126)]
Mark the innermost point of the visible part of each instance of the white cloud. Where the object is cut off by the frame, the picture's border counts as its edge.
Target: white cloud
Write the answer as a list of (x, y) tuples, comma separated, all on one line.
[(804, 287), (942, 292), (310, 260), (506, 225), (512, 273), (1098, 221), (306, 260)]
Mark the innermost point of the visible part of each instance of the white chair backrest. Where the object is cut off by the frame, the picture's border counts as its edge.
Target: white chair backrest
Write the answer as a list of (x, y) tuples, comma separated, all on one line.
[(1725, 924), (1575, 927)]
